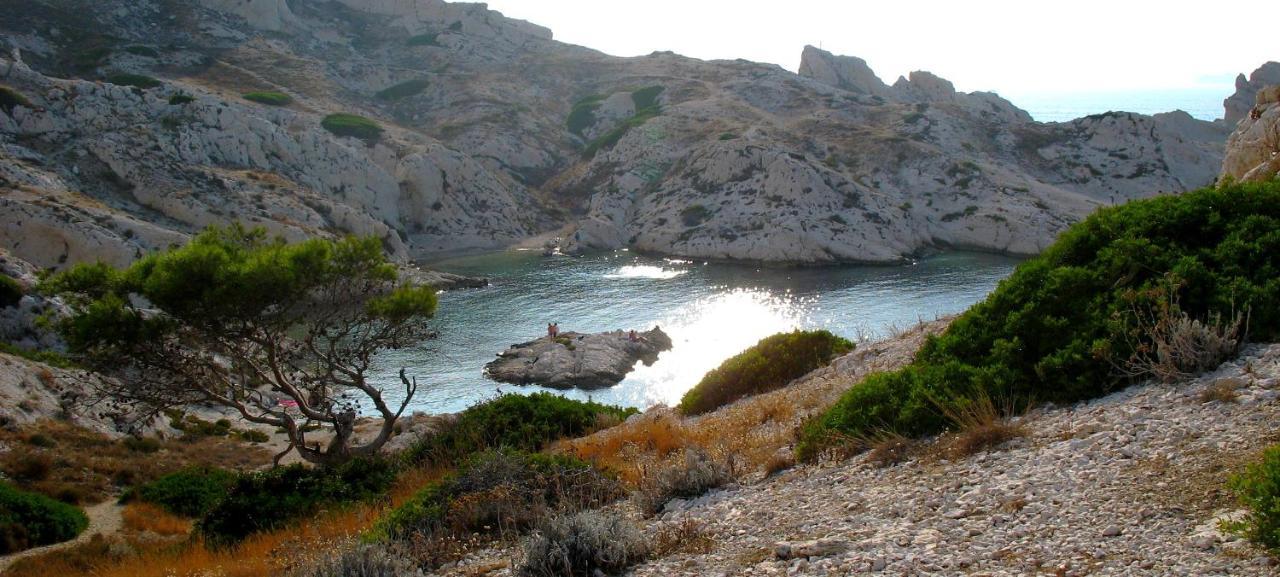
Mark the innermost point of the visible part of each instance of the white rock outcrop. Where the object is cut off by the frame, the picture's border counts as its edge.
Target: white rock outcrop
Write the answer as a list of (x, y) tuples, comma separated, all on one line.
[(1253, 150)]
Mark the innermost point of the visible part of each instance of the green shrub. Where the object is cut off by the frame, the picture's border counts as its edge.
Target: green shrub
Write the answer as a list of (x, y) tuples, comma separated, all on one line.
[(51, 358), (10, 291), (583, 114), (10, 99), (352, 125), (269, 98), (32, 520), (179, 99), (134, 80), (768, 365), (404, 89), (267, 500), (191, 492), (139, 50), (515, 421), (1060, 325), (694, 215), (612, 137), (1258, 490), (428, 39), (646, 98), (498, 492)]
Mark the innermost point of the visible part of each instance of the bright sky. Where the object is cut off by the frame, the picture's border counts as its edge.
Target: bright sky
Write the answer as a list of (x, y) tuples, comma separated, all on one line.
[(1011, 47)]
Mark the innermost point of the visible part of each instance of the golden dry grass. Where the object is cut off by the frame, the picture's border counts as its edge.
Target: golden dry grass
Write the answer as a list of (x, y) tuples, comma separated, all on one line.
[(981, 424), (146, 517), (748, 434), (261, 555)]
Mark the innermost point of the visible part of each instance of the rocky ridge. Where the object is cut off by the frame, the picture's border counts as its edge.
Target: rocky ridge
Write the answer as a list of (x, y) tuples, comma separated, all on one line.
[(587, 361), (1253, 150), (496, 132)]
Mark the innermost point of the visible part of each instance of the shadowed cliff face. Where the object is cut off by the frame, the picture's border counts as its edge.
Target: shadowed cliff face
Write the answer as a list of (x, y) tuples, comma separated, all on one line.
[(494, 132)]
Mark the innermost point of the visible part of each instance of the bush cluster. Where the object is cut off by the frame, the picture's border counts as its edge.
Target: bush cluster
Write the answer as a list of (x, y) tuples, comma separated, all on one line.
[(191, 492), (403, 90), (1258, 490), (10, 292), (10, 99), (583, 114), (582, 544), (32, 520), (352, 125), (1057, 329), (691, 476), (768, 365), (269, 98), (515, 421), (271, 499), (498, 492)]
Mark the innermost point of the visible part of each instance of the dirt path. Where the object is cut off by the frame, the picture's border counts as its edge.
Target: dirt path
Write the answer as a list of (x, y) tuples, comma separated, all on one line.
[(104, 518)]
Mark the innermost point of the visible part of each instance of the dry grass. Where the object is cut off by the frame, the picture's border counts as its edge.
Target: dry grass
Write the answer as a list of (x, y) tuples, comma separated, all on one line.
[(1222, 391), (140, 516), (80, 466), (747, 434), (981, 424), (287, 550), (889, 448), (687, 536)]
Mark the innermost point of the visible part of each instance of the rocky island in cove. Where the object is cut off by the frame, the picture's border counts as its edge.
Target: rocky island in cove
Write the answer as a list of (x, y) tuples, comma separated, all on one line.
[(585, 361)]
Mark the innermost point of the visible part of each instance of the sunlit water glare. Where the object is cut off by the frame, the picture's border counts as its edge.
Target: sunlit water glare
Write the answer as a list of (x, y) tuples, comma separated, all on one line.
[(711, 311)]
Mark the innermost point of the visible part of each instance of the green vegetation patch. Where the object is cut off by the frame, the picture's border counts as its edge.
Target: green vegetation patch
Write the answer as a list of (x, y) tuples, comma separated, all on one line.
[(191, 492), (514, 421), (1060, 325), (271, 499), (1258, 490), (51, 358), (11, 291), (33, 520), (353, 126), (498, 492), (647, 98), (180, 99), (694, 215), (583, 114), (770, 364), (145, 51), (404, 89), (135, 80), (10, 99), (428, 39), (269, 98)]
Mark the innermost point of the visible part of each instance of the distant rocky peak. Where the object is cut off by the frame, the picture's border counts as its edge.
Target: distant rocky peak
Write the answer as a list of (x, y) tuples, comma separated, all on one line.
[(1238, 105), (846, 72)]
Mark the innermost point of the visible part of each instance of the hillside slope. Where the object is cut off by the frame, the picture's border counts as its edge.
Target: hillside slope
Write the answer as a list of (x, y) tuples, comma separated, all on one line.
[(495, 132)]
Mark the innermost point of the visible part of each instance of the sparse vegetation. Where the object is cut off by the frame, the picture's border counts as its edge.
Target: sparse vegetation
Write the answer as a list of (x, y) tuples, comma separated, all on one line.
[(978, 424), (403, 90), (428, 39), (514, 421), (1258, 490), (269, 98), (353, 126), (1221, 391), (31, 520), (582, 116), (1057, 328), (140, 50), (692, 475), (180, 99), (582, 544), (10, 99), (135, 80), (694, 215), (769, 364)]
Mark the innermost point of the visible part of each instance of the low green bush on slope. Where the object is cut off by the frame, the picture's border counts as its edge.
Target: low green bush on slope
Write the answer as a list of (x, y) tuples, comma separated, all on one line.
[(1057, 329), (766, 366)]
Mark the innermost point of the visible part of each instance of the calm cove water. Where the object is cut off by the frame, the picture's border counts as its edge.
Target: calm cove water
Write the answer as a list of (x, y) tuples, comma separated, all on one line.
[(1204, 103), (712, 311)]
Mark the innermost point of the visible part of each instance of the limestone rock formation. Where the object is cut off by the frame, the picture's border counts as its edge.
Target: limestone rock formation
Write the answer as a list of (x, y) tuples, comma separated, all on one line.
[(494, 132), (1239, 105), (1253, 150), (587, 361)]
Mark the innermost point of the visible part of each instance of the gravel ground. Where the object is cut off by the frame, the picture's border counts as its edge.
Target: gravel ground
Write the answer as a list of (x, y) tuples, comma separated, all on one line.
[(1130, 484)]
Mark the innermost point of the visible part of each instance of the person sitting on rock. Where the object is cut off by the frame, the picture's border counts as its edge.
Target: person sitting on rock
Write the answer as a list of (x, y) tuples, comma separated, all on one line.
[(632, 336)]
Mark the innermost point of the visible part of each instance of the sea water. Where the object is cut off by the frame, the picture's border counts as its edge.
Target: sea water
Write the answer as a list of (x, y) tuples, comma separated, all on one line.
[(712, 311)]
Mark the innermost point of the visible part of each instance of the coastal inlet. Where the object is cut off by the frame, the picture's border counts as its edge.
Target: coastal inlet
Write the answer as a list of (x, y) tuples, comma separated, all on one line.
[(710, 311)]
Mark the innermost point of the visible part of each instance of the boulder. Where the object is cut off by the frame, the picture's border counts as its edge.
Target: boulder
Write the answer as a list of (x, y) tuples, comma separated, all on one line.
[(586, 361)]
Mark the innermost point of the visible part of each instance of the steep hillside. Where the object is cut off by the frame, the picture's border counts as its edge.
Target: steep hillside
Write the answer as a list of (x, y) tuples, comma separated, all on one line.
[(493, 132)]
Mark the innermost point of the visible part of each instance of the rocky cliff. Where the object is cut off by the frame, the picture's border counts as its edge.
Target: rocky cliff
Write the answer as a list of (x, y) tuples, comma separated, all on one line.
[(1253, 150), (494, 132)]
